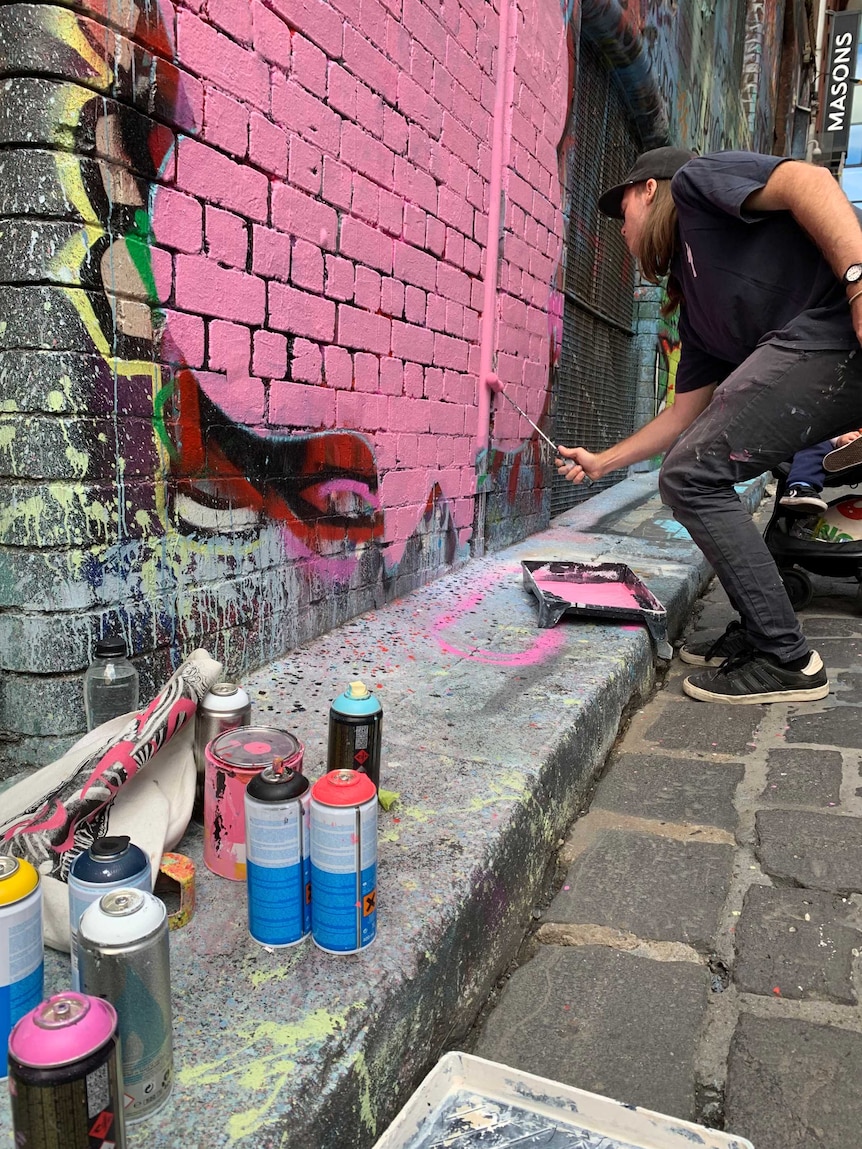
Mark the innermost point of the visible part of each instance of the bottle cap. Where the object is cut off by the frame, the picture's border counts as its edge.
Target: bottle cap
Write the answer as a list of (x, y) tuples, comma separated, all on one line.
[(110, 648)]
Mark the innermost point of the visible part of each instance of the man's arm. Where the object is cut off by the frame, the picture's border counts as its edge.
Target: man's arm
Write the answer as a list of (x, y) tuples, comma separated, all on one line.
[(652, 439), (817, 203)]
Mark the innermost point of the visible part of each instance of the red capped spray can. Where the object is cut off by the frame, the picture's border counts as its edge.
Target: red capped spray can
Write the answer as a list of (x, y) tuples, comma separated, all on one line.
[(355, 725), (233, 759), (22, 955), (278, 861), (343, 862), (124, 956), (65, 1078)]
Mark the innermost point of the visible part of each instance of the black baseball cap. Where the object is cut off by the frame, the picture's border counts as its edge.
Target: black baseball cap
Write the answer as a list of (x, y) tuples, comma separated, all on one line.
[(658, 164)]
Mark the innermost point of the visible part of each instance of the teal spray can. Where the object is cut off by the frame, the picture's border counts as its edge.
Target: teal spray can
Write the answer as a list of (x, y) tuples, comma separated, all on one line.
[(355, 722)]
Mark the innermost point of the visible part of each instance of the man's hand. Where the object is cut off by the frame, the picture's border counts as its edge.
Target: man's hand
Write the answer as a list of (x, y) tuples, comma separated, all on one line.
[(576, 464)]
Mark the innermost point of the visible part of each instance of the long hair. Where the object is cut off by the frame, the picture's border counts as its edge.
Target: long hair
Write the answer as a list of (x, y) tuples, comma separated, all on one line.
[(658, 242)]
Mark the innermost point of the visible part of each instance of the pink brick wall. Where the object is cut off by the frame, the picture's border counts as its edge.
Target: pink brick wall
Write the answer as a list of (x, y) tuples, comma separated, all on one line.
[(328, 224)]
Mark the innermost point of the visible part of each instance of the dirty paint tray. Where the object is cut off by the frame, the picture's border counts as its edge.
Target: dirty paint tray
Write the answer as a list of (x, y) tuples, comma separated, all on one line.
[(608, 591), (466, 1102)]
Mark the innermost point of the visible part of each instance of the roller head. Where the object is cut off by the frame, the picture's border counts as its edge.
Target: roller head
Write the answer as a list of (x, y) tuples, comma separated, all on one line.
[(493, 382)]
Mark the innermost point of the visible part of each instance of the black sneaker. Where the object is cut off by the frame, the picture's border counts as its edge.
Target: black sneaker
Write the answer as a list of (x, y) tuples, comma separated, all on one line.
[(752, 677), (842, 457), (715, 651), (802, 497)]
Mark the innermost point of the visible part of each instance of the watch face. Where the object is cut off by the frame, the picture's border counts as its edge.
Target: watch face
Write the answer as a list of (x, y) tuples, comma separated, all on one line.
[(853, 273)]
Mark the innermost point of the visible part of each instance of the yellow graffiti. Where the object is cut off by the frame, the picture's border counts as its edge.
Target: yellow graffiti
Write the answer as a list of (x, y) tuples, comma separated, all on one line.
[(79, 460), (32, 518), (507, 787), (265, 1056), (366, 1112)]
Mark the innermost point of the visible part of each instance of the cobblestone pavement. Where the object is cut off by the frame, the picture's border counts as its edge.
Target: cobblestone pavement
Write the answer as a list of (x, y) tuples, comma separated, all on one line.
[(701, 954)]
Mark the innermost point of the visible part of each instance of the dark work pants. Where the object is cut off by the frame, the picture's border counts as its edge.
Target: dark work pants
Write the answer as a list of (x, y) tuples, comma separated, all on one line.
[(774, 404)]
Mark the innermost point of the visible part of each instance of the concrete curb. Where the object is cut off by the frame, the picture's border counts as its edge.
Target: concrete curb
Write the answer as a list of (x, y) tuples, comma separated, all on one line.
[(493, 732)]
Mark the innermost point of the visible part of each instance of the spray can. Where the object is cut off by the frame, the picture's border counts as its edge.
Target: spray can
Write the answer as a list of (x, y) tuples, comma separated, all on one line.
[(22, 956), (225, 707), (233, 759), (65, 1077), (343, 862), (355, 721), (278, 864), (108, 864), (123, 956)]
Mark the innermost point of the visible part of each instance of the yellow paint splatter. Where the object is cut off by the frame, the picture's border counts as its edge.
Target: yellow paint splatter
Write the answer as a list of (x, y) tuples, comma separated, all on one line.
[(265, 1057), (504, 788), (7, 435), (416, 813), (79, 461), (55, 400)]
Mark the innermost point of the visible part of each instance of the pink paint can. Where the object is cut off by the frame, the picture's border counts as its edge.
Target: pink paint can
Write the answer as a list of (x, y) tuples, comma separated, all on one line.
[(232, 760)]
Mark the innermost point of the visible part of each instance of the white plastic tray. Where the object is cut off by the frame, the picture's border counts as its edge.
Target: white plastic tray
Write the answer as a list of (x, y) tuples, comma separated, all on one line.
[(466, 1101)]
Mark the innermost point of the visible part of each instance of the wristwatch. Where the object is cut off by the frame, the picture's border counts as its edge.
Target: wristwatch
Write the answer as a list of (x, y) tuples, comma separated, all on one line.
[(853, 274)]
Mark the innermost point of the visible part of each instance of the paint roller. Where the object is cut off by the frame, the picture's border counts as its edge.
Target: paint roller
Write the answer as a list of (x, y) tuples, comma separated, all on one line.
[(496, 386)]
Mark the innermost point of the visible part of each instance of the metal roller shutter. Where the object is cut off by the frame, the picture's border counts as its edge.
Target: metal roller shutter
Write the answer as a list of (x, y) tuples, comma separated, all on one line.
[(594, 388)]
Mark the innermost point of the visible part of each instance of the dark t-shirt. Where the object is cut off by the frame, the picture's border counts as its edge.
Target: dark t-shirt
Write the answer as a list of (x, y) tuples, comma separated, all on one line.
[(746, 277)]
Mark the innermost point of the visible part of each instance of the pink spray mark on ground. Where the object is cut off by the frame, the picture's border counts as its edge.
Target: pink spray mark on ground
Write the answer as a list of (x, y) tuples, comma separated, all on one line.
[(603, 593), (546, 643)]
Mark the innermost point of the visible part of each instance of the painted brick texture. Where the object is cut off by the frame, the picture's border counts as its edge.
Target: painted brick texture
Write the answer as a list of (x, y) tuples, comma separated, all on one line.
[(271, 325), (242, 255)]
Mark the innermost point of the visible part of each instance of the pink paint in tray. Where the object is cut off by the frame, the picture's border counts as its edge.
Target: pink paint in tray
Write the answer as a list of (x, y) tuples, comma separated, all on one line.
[(604, 591)]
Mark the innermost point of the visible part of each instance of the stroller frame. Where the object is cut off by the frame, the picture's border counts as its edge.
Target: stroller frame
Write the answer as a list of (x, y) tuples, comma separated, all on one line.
[(794, 557)]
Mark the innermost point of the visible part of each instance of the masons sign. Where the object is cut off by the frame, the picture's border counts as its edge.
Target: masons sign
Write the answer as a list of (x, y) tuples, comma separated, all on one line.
[(839, 82)]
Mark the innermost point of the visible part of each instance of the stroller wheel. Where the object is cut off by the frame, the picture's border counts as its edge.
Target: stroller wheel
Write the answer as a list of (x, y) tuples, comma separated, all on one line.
[(798, 587)]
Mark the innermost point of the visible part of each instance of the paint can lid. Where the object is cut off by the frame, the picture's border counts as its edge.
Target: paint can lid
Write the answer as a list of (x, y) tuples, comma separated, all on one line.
[(63, 1029), (343, 788), (225, 698), (121, 916), (113, 858), (18, 878), (255, 747), (277, 785), (357, 700)]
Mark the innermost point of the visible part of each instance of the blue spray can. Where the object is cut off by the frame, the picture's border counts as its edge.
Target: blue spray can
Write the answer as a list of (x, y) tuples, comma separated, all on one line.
[(108, 864), (277, 856), (355, 723)]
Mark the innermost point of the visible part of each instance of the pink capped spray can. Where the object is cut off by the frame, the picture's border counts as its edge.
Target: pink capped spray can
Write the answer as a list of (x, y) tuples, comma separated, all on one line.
[(233, 759), (65, 1075)]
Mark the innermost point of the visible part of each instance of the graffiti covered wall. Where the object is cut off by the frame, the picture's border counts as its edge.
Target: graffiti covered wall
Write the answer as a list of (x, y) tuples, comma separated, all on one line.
[(243, 247)]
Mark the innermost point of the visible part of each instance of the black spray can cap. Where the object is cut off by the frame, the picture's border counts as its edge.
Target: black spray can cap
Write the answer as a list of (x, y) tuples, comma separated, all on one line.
[(274, 784)]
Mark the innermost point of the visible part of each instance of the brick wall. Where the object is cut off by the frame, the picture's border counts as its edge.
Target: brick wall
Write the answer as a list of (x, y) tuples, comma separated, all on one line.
[(243, 246)]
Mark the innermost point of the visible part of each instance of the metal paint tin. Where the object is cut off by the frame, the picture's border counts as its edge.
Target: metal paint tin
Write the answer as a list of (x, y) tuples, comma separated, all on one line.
[(123, 956), (233, 759), (343, 862), (65, 1077), (225, 707), (355, 723), (108, 864), (22, 955), (278, 862)]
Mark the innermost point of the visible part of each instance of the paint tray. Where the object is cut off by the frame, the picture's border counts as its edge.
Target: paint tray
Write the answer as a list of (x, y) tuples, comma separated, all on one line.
[(467, 1102), (607, 591)]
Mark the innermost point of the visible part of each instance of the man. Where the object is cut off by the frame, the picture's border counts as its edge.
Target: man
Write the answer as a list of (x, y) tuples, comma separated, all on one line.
[(764, 259)]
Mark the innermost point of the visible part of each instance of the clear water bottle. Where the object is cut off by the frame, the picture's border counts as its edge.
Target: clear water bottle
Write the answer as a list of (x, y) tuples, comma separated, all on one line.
[(110, 684)]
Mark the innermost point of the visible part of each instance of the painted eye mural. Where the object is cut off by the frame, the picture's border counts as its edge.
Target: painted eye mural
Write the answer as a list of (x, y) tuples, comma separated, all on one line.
[(184, 478)]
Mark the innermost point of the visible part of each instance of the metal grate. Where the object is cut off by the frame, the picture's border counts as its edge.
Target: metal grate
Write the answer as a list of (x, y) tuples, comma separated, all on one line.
[(594, 390)]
